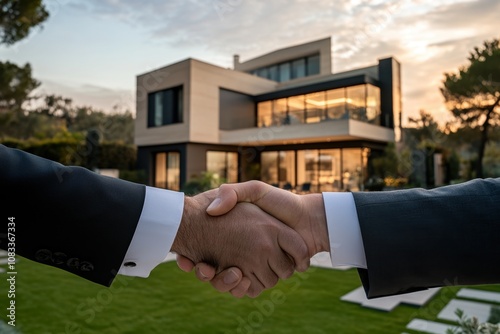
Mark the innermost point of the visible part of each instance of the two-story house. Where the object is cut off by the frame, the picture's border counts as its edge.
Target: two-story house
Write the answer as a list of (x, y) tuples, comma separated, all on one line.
[(283, 118)]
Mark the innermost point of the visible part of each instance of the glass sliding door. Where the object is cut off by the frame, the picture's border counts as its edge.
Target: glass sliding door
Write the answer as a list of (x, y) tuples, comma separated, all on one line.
[(286, 171), (168, 170), (329, 176), (269, 167), (307, 170), (352, 169), (223, 165)]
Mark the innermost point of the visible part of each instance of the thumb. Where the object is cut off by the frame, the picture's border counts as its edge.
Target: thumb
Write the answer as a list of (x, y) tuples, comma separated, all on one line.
[(226, 200)]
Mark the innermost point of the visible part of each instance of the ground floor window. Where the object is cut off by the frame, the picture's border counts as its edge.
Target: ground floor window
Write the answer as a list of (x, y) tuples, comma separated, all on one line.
[(167, 170), (278, 168), (223, 165), (341, 169)]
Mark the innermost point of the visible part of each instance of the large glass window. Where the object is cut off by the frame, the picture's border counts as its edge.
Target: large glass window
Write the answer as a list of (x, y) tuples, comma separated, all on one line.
[(329, 170), (167, 170), (316, 170), (278, 168), (265, 114), (223, 165), (296, 110), (165, 107), (298, 68), (307, 170), (336, 106), (352, 169), (286, 171), (356, 102), (361, 102), (263, 73), (280, 112), (269, 167), (285, 73), (274, 73), (373, 104), (313, 65), (315, 107)]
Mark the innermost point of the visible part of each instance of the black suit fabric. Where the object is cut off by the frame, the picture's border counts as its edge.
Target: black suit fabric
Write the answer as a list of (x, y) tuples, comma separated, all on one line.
[(68, 217), (416, 239)]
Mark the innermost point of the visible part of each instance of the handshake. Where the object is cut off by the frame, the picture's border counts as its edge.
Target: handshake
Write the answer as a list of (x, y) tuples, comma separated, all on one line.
[(244, 237)]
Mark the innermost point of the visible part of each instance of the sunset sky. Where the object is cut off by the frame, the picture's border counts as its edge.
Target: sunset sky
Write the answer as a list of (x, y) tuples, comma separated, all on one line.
[(91, 51)]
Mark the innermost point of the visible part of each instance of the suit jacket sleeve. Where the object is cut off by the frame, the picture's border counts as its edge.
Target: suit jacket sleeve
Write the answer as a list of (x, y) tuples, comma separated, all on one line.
[(416, 239), (68, 217)]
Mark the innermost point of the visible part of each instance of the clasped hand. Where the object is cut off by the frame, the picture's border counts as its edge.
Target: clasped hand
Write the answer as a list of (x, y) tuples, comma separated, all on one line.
[(244, 237)]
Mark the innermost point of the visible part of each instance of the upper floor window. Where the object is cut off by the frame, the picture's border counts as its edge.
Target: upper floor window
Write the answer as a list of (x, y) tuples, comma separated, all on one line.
[(165, 107), (361, 103), (293, 69)]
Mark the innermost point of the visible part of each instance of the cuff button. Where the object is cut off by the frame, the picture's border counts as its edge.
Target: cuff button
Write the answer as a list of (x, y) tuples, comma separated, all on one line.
[(130, 264)]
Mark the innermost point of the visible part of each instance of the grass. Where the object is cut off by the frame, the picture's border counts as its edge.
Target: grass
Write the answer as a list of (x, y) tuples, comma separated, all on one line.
[(51, 301)]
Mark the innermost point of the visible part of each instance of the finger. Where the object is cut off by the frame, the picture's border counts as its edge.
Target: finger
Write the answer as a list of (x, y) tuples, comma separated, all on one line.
[(282, 265), (184, 263), (293, 244), (267, 276), (242, 288), (279, 203), (225, 201), (204, 272), (230, 194), (227, 279), (256, 287)]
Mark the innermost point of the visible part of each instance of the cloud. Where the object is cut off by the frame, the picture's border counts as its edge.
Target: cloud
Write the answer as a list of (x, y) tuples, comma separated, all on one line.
[(428, 37)]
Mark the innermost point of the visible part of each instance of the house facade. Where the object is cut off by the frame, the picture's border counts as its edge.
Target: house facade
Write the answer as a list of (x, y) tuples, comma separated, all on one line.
[(283, 118)]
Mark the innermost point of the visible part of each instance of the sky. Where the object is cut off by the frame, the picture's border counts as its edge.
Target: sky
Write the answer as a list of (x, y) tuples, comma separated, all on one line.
[(91, 51)]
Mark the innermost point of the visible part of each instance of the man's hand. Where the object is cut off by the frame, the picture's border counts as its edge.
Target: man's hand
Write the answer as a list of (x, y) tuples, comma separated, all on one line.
[(304, 213), (229, 280), (246, 237)]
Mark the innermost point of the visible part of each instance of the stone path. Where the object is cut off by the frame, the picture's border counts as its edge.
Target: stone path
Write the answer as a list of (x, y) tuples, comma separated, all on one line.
[(389, 303)]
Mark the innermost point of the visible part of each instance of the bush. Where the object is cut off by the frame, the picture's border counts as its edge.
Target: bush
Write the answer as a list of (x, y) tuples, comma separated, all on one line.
[(72, 150), (472, 326), (117, 155), (198, 184)]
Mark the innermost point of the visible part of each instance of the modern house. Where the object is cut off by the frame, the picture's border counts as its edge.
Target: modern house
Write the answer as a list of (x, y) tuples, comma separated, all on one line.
[(283, 118)]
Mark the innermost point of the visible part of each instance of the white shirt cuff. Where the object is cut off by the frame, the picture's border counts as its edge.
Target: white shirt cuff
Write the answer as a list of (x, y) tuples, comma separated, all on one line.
[(346, 242), (155, 233)]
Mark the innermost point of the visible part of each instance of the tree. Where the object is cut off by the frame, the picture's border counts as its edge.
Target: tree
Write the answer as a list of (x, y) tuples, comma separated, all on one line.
[(16, 83), (18, 17), (473, 94)]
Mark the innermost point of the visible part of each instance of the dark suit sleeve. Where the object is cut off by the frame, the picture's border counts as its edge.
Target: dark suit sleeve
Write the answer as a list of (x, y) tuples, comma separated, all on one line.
[(416, 239), (68, 217)]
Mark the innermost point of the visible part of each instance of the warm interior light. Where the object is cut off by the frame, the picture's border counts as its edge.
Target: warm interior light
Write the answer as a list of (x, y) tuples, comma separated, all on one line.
[(329, 102)]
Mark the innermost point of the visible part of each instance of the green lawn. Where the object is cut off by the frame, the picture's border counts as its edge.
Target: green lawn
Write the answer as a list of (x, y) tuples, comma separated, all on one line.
[(51, 301)]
